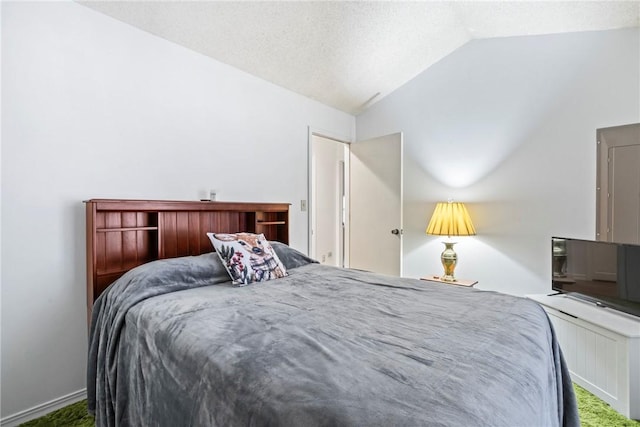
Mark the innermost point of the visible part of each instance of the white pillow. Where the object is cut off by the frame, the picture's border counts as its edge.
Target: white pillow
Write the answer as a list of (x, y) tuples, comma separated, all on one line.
[(247, 257)]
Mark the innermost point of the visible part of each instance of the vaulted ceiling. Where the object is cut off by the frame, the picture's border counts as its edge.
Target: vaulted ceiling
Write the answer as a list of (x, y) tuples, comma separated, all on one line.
[(351, 54)]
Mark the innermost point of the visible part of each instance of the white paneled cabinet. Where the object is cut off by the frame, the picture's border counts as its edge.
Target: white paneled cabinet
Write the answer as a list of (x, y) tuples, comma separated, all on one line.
[(601, 347)]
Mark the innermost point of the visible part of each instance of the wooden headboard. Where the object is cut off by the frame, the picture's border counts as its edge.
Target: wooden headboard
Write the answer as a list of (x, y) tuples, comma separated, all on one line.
[(122, 234)]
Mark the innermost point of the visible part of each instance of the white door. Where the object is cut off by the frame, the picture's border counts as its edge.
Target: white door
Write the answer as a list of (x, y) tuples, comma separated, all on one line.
[(618, 184), (375, 202), (624, 194)]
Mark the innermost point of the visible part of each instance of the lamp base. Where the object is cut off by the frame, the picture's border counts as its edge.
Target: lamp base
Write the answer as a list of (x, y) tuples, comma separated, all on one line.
[(449, 260)]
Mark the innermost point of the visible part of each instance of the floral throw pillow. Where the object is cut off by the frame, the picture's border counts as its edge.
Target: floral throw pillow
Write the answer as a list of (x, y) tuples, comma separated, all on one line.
[(247, 257)]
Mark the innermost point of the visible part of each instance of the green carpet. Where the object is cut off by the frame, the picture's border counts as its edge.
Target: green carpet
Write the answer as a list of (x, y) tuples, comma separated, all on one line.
[(74, 415), (597, 413), (593, 413)]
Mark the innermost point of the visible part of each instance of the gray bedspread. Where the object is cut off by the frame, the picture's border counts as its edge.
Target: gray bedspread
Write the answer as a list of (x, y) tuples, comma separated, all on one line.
[(173, 343)]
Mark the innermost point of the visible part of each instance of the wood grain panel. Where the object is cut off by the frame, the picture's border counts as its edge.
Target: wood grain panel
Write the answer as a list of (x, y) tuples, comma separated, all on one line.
[(104, 280), (215, 223), (195, 233), (182, 233), (207, 225), (232, 222), (129, 244), (169, 235), (100, 243), (92, 255), (113, 242), (129, 249)]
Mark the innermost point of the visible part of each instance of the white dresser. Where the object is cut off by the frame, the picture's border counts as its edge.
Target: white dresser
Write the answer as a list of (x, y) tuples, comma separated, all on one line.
[(601, 347)]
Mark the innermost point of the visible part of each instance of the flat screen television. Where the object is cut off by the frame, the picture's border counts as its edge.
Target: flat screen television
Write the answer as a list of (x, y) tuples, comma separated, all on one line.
[(604, 273)]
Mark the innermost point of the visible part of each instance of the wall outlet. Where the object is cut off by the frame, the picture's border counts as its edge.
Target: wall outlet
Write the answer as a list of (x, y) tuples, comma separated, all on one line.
[(324, 258), (330, 254), (303, 205)]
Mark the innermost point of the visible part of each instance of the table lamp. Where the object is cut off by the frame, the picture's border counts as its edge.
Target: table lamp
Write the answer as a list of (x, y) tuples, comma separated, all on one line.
[(450, 219)]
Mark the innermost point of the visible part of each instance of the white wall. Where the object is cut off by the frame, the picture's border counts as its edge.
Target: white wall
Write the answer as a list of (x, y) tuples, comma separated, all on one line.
[(508, 126), (94, 108)]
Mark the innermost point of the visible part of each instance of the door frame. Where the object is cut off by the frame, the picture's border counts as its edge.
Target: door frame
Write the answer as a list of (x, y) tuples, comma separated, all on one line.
[(310, 176), (603, 186)]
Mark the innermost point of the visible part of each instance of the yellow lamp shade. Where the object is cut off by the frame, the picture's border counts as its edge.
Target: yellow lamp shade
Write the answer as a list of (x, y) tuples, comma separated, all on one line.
[(450, 219)]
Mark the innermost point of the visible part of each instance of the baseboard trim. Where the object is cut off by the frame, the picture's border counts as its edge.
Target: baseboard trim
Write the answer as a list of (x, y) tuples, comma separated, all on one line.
[(43, 409)]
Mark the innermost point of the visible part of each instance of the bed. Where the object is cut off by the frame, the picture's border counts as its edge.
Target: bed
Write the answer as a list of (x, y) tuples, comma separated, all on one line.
[(173, 342)]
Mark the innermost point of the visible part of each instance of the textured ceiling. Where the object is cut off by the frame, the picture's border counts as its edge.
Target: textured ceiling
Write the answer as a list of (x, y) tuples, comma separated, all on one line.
[(351, 54)]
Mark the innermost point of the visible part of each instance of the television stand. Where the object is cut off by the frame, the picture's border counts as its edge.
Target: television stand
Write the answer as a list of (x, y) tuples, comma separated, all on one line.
[(601, 347)]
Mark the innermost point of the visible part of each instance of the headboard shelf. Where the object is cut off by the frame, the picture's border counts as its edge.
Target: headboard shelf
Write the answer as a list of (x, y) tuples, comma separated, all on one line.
[(122, 234), (107, 230)]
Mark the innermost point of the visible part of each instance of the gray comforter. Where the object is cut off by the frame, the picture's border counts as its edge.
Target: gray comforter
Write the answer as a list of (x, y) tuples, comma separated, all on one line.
[(173, 343)]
